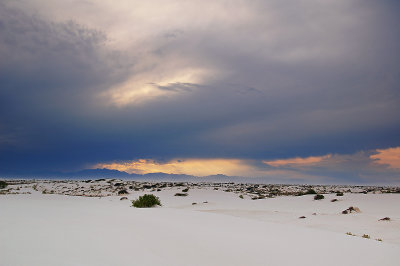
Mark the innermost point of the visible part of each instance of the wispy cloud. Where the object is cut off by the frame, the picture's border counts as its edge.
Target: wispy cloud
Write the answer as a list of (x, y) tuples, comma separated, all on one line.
[(190, 166), (345, 168), (312, 160), (389, 157)]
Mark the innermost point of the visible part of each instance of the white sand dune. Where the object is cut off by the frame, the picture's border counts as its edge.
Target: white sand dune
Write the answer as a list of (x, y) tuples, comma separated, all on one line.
[(41, 230)]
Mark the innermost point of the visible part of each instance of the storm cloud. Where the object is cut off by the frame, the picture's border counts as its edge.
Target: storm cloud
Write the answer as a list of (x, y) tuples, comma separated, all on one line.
[(90, 82)]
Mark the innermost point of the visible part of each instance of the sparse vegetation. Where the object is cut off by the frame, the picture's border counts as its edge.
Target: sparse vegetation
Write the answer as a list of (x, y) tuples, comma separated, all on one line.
[(241, 196), (146, 201), (3, 184), (339, 194), (319, 197), (351, 209), (185, 190), (311, 191), (122, 192), (385, 219), (181, 194), (366, 236), (350, 234)]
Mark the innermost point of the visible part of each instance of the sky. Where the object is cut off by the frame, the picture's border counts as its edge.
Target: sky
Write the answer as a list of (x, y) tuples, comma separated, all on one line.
[(304, 90)]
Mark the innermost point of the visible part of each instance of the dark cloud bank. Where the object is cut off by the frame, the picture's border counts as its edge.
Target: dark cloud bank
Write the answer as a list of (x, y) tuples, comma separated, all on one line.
[(329, 88)]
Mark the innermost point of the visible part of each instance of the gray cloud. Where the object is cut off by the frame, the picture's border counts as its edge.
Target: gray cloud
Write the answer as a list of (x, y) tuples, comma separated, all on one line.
[(258, 80)]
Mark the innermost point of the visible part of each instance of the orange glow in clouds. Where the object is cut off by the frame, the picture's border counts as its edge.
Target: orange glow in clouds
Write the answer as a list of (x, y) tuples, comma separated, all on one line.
[(390, 157), (196, 167), (298, 161)]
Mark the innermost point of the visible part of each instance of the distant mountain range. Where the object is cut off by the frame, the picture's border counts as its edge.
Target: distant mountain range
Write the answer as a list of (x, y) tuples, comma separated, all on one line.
[(107, 173), (159, 177)]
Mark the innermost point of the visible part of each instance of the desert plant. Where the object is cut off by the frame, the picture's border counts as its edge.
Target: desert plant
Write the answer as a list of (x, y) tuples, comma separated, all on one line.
[(185, 190), (122, 192), (181, 194), (3, 184), (311, 191), (146, 201), (366, 236), (339, 194), (319, 197), (241, 196)]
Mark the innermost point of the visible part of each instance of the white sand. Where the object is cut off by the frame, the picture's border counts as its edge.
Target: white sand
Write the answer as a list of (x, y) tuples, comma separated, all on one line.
[(41, 229)]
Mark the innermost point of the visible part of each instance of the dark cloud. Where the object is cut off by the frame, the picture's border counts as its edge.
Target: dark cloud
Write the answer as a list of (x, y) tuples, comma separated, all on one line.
[(282, 80)]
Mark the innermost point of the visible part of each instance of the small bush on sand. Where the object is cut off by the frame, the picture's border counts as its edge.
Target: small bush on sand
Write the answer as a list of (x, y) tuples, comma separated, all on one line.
[(123, 192), (181, 194), (185, 190), (351, 209), (3, 184), (311, 191), (366, 236), (319, 197), (146, 201), (241, 196), (339, 194)]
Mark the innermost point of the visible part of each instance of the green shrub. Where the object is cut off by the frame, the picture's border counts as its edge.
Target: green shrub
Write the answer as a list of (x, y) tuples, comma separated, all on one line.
[(3, 184), (146, 201), (319, 197), (185, 190), (311, 191), (339, 194), (123, 192)]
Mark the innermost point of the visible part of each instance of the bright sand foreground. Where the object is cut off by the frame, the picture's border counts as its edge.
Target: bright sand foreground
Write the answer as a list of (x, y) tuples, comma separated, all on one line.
[(42, 229)]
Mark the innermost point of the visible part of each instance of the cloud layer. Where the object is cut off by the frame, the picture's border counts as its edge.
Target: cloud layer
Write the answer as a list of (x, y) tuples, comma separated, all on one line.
[(94, 82)]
